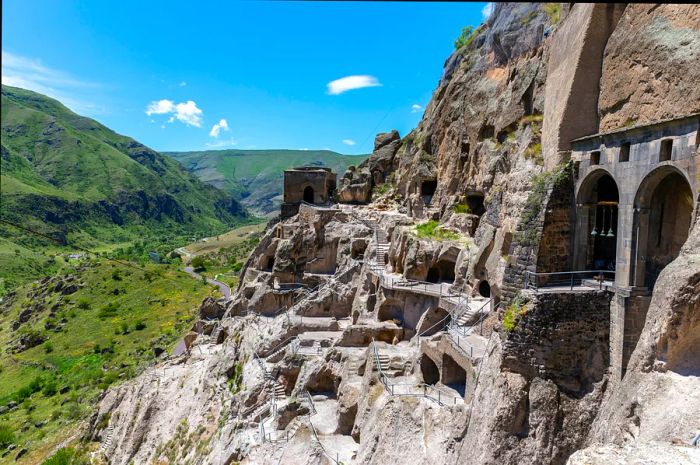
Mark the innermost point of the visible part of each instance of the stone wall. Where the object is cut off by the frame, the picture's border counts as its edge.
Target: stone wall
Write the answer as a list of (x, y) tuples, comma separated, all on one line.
[(563, 337)]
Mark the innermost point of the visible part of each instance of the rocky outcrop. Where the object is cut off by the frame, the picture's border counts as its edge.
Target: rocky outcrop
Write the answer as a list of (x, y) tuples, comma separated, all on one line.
[(663, 373), (357, 183)]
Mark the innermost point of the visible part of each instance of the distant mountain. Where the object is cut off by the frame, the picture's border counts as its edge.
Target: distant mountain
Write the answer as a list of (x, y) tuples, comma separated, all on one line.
[(72, 178), (255, 176)]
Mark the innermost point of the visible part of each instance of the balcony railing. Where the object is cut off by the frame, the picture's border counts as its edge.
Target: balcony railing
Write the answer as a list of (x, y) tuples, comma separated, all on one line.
[(600, 279)]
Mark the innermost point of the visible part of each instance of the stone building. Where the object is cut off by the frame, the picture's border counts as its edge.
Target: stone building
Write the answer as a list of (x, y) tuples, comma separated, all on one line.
[(636, 194), (310, 184)]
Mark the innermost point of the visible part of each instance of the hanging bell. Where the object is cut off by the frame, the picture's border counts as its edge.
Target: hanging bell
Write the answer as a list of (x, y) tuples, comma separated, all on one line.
[(610, 231)]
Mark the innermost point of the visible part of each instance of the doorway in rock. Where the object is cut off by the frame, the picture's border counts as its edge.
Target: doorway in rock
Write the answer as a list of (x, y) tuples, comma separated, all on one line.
[(663, 213), (453, 375), (309, 194), (427, 190), (429, 370), (484, 289)]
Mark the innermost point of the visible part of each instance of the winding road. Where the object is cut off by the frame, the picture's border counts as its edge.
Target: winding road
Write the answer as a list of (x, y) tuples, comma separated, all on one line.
[(223, 287)]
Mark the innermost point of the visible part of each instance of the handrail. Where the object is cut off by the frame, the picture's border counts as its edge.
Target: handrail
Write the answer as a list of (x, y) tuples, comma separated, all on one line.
[(532, 279), (274, 349)]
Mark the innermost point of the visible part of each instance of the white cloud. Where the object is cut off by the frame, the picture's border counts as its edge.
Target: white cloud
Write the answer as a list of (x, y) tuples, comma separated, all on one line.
[(31, 74), (348, 142), (185, 112), (182, 84), (347, 83), (217, 128), (487, 10), (415, 108)]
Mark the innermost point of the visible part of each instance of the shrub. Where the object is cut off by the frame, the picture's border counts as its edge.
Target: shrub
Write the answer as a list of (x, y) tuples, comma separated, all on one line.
[(198, 263), (116, 275), (83, 303), (431, 230), (108, 310), (513, 312), (462, 208), (50, 389), (139, 325), (466, 37), (553, 11), (7, 436), (48, 347)]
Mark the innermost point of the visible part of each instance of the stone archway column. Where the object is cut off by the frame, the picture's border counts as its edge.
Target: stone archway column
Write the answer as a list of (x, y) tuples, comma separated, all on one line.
[(640, 239), (623, 252), (584, 224)]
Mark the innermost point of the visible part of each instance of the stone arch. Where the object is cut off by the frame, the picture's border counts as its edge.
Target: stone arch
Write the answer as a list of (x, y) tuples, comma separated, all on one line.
[(597, 203), (429, 370), (663, 212), (309, 194), (428, 322)]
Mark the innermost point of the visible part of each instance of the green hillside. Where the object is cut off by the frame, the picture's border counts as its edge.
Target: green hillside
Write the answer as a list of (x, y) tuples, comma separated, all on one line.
[(75, 180), (255, 176)]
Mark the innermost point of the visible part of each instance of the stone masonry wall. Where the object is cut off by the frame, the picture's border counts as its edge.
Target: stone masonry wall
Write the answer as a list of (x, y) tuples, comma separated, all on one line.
[(563, 337)]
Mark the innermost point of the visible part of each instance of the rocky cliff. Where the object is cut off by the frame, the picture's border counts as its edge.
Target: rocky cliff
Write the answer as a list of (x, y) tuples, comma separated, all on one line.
[(398, 329)]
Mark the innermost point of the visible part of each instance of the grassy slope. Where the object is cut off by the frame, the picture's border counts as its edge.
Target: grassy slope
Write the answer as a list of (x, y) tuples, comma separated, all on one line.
[(165, 304), (255, 176), (78, 181)]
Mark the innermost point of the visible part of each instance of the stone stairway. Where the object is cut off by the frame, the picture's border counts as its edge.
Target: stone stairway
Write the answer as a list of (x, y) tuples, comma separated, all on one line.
[(384, 362), (278, 390), (107, 443)]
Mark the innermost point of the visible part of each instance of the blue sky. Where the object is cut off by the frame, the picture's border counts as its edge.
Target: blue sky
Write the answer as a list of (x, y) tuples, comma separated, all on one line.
[(280, 74)]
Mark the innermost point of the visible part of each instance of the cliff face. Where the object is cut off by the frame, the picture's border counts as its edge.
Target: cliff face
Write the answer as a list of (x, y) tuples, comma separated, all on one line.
[(650, 70), (322, 362)]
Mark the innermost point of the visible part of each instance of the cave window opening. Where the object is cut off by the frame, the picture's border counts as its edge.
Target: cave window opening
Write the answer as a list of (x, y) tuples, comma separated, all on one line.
[(487, 132), (595, 158), (309, 194), (625, 152), (666, 150), (484, 289), (270, 263)]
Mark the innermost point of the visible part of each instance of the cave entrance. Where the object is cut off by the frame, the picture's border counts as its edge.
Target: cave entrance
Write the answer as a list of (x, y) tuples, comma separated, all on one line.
[(597, 222), (390, 311), (270, 263), (427, 190), (442, 272), (429, 370), (475, 202), (309, 194), (663, 213), (453, 375), (484, 289)]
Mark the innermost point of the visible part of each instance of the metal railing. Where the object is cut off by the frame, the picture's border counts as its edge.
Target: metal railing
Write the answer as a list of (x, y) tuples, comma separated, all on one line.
[(428, 391), (568, 279)]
